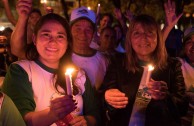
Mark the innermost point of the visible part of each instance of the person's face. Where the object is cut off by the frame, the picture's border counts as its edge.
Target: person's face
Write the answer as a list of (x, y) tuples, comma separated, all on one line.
[(118, 32), (144, 42), (51, 42), (82, 33), (105, 21), (189, 48), (33, 18), (107, 39)]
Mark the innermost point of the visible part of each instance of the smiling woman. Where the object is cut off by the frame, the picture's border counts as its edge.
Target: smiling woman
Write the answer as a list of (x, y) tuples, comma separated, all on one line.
[(42, 76), (131, 100)]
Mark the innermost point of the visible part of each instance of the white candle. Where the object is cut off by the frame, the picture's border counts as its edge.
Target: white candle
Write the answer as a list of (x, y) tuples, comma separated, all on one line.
[(149, 72), (68, 78), (98, 9)]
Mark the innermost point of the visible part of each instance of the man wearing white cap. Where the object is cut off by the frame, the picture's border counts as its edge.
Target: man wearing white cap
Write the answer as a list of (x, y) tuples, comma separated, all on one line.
[(82, 23), (187, 60)]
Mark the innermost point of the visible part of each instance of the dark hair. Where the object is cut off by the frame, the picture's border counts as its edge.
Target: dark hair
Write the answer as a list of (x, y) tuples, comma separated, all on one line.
[(108, 15), (35, 10), (7, 29)]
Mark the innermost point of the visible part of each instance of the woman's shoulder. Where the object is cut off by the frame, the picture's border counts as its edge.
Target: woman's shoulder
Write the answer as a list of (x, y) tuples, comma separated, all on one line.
[(173, 61), (24, 63)]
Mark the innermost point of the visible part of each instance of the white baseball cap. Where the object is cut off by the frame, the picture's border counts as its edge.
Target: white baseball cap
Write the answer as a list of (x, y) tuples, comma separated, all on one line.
[(188, 32), (82, 12)]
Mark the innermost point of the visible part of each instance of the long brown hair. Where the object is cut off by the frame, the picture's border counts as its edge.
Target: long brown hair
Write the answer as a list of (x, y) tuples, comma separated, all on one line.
[(159, 56)]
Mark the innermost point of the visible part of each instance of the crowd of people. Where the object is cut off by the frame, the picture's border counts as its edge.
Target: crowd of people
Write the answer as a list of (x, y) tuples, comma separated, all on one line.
[(112, 84)]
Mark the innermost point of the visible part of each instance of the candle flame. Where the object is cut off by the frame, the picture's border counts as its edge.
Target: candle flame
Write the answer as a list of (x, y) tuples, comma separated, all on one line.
[(99, 5), (69, 71), (150, 68), (43, 1)]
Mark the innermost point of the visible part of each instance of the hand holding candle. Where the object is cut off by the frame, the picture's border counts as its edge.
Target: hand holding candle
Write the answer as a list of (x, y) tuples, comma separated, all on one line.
[(150, 69), (68, 78)]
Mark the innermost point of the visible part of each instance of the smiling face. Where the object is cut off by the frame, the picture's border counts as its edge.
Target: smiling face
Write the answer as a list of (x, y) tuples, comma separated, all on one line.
[(144, 41), (82, 33), (189, 49), (51, 43)]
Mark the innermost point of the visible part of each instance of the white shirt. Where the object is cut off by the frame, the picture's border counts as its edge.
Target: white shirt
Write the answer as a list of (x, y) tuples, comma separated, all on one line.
[(95, 66)]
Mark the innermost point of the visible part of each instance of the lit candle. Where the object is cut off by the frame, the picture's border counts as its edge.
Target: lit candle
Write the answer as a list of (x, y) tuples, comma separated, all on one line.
[(68, 78), (150, 69), (43, 1), (98, 9)]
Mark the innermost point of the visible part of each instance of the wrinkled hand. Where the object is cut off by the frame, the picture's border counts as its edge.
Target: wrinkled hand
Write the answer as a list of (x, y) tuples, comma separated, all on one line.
[(78, 121), (62, 106), (116, 98), (157, 89), (24, 7), (170, 14)]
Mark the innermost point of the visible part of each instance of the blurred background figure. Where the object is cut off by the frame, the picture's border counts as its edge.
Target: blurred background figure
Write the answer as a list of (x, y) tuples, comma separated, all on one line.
[(10, 57), (6, 56), (3, 54), (105, 20), (107, 40), (174, 42), (120, 38), (187, 60)]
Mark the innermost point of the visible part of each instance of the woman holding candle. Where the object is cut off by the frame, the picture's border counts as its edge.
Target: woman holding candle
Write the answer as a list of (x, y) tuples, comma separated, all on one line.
[(35, 85), (129, 100)]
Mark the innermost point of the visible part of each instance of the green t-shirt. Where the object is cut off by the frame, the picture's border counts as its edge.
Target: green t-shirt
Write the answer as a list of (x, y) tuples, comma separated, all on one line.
[(18, 85), (9, 114)]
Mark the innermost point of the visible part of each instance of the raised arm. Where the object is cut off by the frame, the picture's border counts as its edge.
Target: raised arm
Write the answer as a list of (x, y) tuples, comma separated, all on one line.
[(170, 17), (8, 12), (119, 17), (19, 36)]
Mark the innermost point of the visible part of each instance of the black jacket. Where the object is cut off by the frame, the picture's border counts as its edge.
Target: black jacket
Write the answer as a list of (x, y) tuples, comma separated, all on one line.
[(165, 112)]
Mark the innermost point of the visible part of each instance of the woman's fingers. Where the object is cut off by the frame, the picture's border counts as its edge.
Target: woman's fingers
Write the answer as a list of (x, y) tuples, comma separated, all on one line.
[(116, 98)]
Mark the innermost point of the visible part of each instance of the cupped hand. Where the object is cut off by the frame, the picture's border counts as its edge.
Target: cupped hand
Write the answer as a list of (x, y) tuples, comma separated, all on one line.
[(116, 98), (157, 89), (62, 106)]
